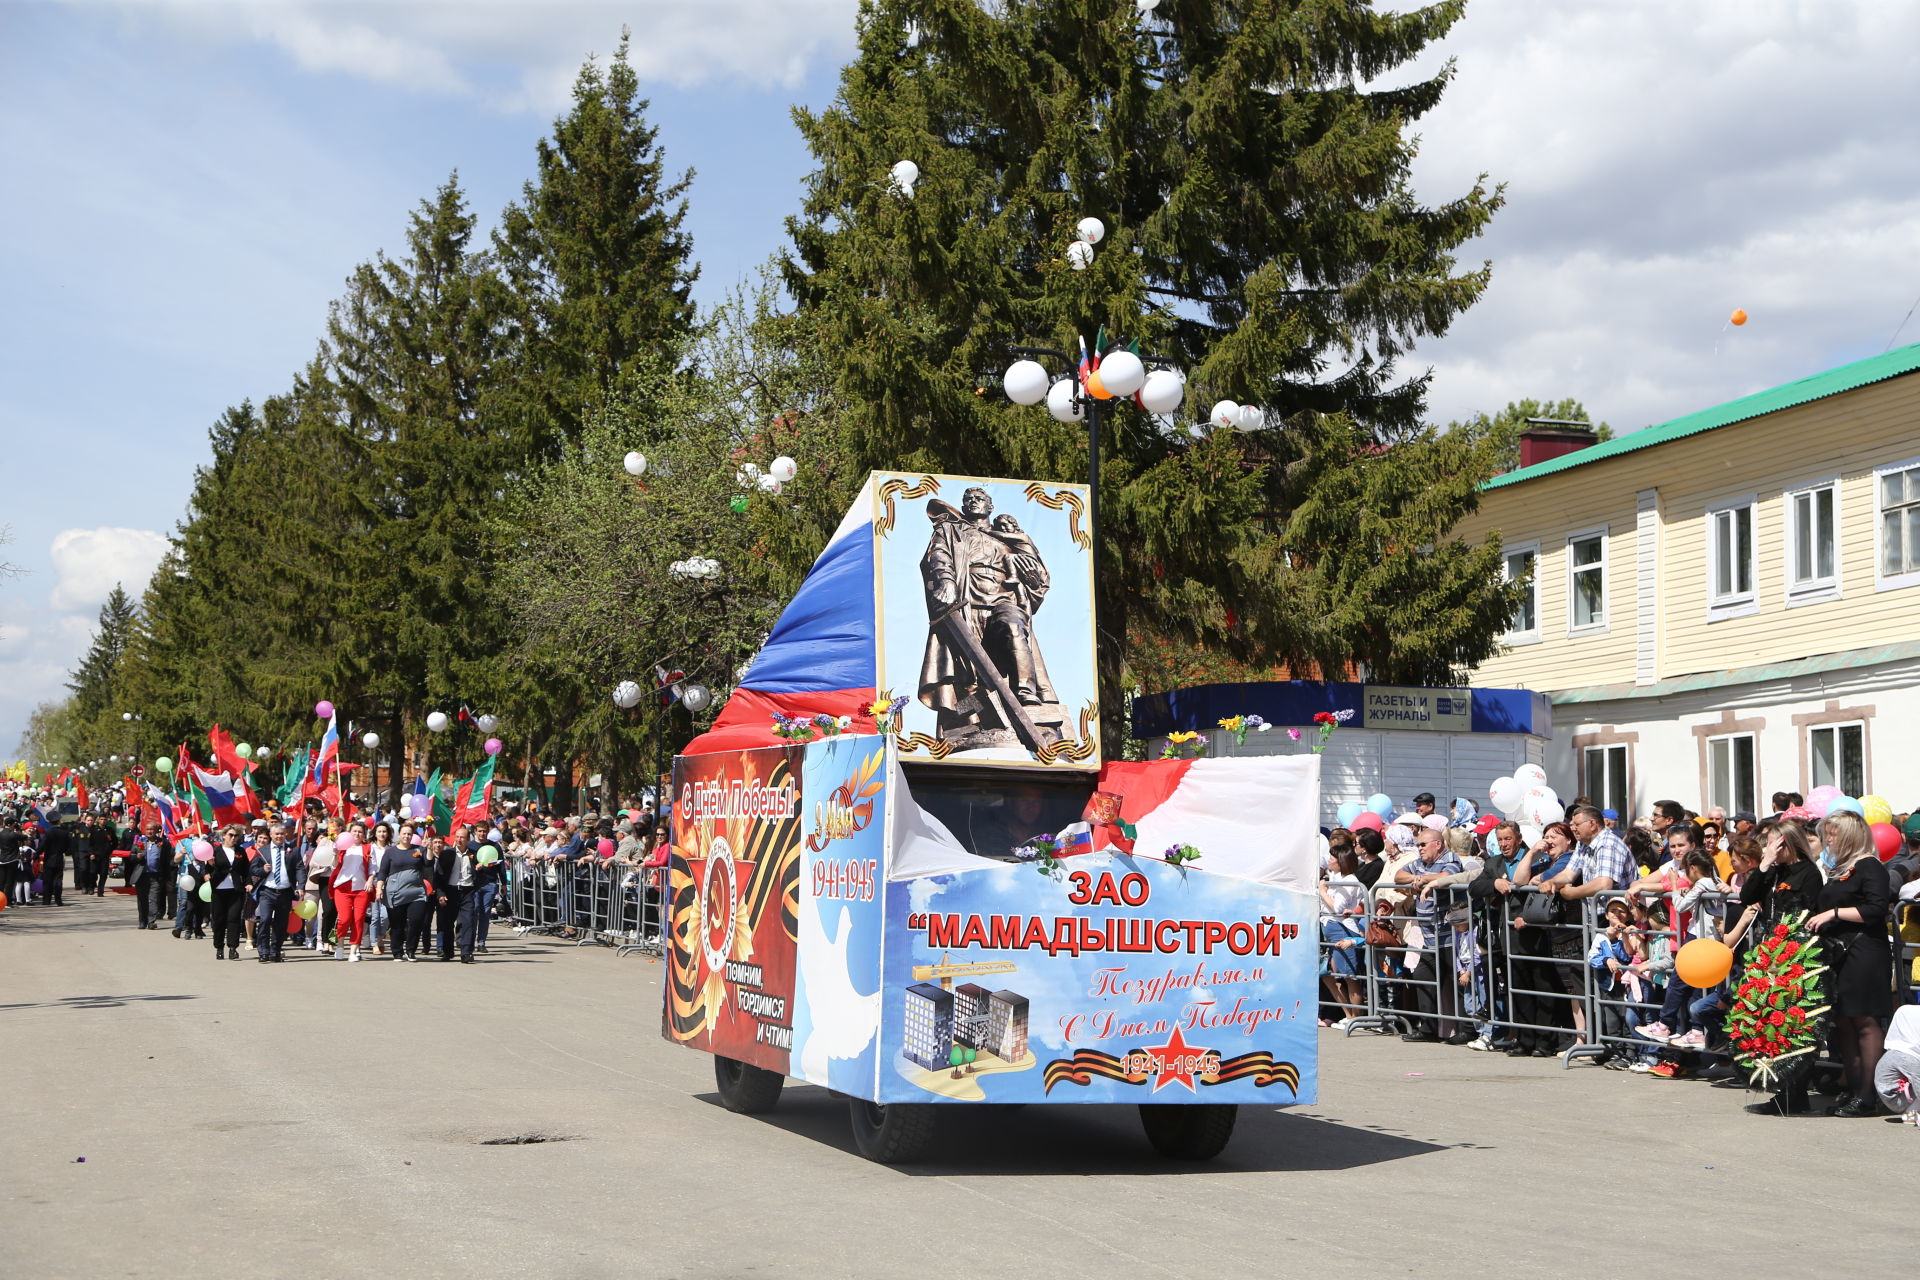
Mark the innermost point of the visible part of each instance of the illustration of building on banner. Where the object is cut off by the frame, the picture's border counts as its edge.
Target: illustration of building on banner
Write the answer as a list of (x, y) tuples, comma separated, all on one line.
[(1007, 1025), (970, 1015), (928, 1025)]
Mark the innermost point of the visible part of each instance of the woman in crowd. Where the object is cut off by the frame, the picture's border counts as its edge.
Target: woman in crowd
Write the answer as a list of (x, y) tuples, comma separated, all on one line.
[(352, 888), (1851, 920), (229, 873), (322, 857), (1343, 917), (1542, 946), (402, 884), (1370, 846), (1786, 881)]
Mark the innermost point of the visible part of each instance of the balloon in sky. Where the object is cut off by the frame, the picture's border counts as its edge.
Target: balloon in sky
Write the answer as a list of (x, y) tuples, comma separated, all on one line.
[(1738, 317)]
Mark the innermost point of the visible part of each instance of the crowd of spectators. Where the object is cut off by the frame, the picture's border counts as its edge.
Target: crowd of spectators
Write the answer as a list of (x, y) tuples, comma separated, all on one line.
[(1470, 931)]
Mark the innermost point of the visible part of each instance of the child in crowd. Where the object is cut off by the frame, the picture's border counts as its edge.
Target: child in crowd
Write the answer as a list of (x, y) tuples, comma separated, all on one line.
[(1609, 958), (1897, 1078), (1652, 972)]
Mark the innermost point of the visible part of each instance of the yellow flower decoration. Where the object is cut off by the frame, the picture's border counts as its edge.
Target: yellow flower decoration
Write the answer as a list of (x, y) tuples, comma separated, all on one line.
[(1186, 735), (879, 708), (1231, 722)]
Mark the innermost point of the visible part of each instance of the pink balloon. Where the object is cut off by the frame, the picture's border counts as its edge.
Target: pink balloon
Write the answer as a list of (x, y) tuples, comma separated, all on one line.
[(1369, 821), (1817, 804), (202, 851), (345, 840), (323, 710), (1828, 792), (493, 746)]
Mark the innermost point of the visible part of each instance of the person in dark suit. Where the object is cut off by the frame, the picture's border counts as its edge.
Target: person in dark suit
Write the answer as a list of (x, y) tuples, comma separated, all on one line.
[(457, 902), (151, 866), (103, 840), (54, 848), (228, 872), (278, 872), (82, 836), (14, 855)]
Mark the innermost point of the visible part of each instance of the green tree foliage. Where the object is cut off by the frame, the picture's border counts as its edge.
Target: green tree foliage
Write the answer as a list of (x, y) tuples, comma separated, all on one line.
[(598, 269), (95, 682), (1501, 431), (1252, 176), (615, 540)]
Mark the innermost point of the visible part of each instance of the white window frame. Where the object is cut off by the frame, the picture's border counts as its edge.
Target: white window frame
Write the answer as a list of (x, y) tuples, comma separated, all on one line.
[(1882, 580), (1839, 766), (1816, 589), (1731, 802), (1531, 635), (1623, 804), (1733, 604), (1606, 586)]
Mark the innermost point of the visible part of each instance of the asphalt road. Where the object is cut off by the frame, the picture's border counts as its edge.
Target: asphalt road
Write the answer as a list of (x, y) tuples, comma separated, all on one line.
[(318, 1118)]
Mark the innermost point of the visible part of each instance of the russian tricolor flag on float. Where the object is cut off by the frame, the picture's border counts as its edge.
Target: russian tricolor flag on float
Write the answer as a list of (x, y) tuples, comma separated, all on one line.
[(819, 659)]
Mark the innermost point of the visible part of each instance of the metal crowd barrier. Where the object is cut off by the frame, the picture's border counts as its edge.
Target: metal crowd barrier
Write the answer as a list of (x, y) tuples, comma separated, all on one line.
[(594, 900), (1472, 968)]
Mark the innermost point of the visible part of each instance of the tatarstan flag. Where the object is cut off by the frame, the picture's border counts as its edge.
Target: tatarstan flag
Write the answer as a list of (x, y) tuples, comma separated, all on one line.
[(470, 797)]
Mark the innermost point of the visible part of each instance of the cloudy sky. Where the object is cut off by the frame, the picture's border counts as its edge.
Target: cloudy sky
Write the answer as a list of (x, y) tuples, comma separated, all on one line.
[(189, 184)]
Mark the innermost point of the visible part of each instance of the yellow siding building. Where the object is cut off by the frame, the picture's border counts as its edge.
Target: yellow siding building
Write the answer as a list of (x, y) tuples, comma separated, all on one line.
[(1727, 605)]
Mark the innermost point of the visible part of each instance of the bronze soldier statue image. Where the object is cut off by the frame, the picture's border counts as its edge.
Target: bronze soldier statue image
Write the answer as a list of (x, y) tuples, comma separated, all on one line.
[(983, 673)]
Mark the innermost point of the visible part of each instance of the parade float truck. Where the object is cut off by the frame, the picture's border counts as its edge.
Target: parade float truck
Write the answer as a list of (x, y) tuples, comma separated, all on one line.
[(901, 872)]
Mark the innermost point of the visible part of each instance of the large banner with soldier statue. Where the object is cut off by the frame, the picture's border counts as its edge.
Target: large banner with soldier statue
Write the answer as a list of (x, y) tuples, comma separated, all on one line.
[(984, 607)]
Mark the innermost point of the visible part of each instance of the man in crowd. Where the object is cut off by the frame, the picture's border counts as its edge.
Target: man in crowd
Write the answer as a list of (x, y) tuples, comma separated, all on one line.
[(54, 847), (1423, 803), (104, 840), (1433, 862), (1665, 814), (277, 868), (152, 868), (1600, 861), (83, 854)]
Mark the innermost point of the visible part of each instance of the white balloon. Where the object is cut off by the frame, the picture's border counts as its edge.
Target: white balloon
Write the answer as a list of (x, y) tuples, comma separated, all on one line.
[(783, 468), (1026, 382), (636, 464), (1532, 775), (1225, 414), (1549, 811), (1505, 794), (1162, 392), (768, 484), (489, 722), (1061, 402), (1250, 418), (1091, 230), (370, 740), (437, 721), (1145, 7), (905, 173), (695, 697), (1123, 373), (1079, 255), (626, 694)]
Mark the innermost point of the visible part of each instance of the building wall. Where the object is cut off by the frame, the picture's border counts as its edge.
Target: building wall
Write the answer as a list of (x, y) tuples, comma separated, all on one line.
[(1665, 736), (1671, 628), (1662, 625)]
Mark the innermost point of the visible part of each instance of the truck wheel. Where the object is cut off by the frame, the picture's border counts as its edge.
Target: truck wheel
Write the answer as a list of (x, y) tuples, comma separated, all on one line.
[(1197, 1132), (745, 1088), (895, 1134)]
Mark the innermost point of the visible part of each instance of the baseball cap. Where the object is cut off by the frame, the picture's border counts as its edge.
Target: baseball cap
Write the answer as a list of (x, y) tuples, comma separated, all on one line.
[(1911, 826), (1614, 814), (1486, 823)]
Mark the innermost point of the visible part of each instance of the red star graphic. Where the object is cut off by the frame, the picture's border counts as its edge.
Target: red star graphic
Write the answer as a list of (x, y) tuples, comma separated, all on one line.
[(1175, 1060)]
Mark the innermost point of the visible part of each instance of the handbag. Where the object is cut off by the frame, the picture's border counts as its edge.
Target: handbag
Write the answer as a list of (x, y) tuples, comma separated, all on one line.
[(1382, 935), (1541, 909)]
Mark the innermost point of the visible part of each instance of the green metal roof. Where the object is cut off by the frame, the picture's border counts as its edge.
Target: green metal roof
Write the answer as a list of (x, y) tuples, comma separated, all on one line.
[(1848, 377)]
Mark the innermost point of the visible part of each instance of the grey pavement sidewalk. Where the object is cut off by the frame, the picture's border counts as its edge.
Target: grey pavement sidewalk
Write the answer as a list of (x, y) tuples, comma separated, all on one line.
[(319, 1118)]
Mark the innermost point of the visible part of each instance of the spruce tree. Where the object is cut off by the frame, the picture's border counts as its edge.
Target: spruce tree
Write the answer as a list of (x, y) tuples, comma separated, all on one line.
[(1251, 171), (93, 682), (597, 266)]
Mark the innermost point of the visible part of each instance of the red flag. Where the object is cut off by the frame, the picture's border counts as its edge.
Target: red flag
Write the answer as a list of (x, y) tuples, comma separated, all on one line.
[(80, 792), (225, 756), (136, 802)]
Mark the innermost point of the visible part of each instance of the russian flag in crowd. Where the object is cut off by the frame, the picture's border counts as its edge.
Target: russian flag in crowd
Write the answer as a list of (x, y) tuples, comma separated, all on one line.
[(222, 796)]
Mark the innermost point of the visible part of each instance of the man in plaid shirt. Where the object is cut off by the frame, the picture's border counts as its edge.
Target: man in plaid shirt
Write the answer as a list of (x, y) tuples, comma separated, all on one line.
[(1600, 861)]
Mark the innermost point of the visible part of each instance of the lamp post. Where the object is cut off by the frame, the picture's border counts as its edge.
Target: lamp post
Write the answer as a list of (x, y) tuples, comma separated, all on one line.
[(1120, 375)]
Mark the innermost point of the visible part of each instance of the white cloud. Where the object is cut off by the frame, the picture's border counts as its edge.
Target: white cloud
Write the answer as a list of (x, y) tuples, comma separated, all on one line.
[(91, 562), (519, 56), (1661, 171)]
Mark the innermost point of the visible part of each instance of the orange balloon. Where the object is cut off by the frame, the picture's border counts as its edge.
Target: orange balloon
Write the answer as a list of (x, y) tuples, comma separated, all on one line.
[(1704, 963), (1739, 318), (1096, 388), (3, 902)]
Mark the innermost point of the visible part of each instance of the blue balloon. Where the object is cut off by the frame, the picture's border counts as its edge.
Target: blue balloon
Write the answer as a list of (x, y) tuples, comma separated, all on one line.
[(1348, 812), (1846, 804), (1381, 803)]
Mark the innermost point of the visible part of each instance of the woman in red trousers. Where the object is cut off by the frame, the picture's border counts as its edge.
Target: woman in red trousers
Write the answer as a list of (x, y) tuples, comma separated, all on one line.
[(353, 887)]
